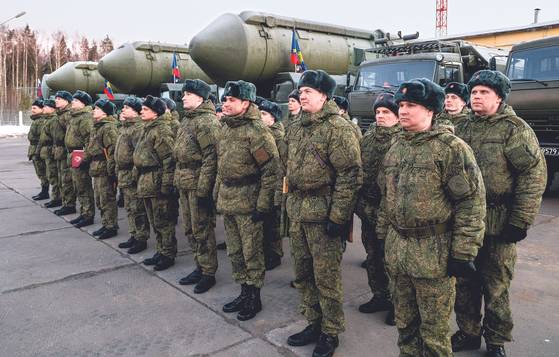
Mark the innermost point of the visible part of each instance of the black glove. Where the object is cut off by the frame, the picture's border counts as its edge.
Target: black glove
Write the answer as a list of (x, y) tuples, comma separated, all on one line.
[(334, 229), (205, 202), (513, 234), (257, 216), (461, 268)]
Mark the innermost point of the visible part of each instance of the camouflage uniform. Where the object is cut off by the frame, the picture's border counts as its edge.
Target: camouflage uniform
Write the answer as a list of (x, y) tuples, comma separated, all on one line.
[(356, 128), (515, 175), (324, 174), (100, 156), (432, 210), (45, 148), (77, 138), (374, 145), (196, 168), (155, 165), (60, 153), (130, 133), (37, 123), (451, 120), (174, 124), (247, 168)]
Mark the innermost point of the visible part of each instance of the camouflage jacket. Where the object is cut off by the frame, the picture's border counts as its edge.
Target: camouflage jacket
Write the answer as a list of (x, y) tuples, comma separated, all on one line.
[(278, 133), (129, 135), (172, 122), (101, 148), (45, 138), (513, 167), (247, 164), (58, 133), (195, 150), (323, 167), (433, 203), (37, 123), (79, 128), (153, 159), (374, 145), (356, 128)]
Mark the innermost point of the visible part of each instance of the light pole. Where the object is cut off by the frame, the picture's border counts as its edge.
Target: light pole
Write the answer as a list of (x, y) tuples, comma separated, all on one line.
[(13, 17)]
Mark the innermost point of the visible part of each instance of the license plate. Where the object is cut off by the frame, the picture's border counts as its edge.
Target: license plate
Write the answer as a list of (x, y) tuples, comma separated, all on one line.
[(550, 151)]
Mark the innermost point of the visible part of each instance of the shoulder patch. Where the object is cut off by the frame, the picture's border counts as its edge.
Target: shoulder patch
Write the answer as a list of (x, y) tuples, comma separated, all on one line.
[(261, 156)]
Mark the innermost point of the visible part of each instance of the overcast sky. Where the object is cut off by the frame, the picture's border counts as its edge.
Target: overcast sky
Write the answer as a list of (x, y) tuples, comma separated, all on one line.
[(177, 22)]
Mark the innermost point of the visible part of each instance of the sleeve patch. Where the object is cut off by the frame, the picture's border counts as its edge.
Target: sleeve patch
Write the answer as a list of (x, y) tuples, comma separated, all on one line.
[(261, 156), (458, 187)]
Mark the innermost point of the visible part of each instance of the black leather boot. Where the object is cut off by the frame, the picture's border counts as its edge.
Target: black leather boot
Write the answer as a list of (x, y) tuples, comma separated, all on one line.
[(205, 284), (76, 220), (52, 204), (139, 246), (65, 210), (84, 222), (192, 278), (43, 195), (376, 304), (461, 341), (252, 305), (325, 346), (108, 233), (496, 351), (221, 246), (153, 260), (308, 335), (128, 244), (164, 263), (99, 231), (237, 304)]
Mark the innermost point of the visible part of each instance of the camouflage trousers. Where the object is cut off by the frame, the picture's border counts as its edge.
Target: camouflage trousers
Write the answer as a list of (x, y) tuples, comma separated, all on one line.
[(105, 199), (138, 224), (41, 170), (244, 240), (376, 268), (495, 264), (158, 212), (422, 310), (272, 239), (84, 190), (199, 228), (66, 185), (318, 275), (52, 176)]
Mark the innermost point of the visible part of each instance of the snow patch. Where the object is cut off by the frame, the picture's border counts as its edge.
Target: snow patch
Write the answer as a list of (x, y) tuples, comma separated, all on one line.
[(13, 130)]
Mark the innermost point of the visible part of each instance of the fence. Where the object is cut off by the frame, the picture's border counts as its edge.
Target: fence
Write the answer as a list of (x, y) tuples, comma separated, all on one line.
[(12, 102)]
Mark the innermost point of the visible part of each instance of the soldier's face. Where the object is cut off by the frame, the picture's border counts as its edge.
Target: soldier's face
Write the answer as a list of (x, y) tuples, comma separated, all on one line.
[(234, 106), (453, 104), (48, 110), (77, 104), (60, 103), (484, 100), (415, 117), (267, 118), (128, 113), (147, 114), (98, 114), (293, 106), (312, 100), (191, 101), (36, 110), (385, 117)]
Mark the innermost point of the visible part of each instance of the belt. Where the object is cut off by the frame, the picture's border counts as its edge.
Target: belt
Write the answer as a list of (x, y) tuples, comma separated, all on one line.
[(243, 181), (192, 165), (422, 232), (145, 170), (321, 191)]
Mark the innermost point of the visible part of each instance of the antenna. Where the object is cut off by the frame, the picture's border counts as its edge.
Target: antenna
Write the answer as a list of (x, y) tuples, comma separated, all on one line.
[(441, 18)]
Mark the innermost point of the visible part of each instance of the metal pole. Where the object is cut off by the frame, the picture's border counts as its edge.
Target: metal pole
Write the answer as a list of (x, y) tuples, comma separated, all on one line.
[(13, 17)]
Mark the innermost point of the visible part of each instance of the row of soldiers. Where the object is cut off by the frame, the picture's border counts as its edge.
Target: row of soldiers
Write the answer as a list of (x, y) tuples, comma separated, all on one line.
[(443, 196)]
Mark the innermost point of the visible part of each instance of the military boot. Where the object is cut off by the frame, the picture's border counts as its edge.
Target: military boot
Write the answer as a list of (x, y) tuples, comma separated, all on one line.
[(390, 319), (153, 260), (221, 246), (237, 304), (272, 261), (84, 222), (496, 351), (99, 231), (139, 246), (128, 244), (108, 233), (164, 263), (43, 195), (53, 203), (120, 199), (252, 305), (65, 210), (461, 341), (325, 346), (76, 220), (205, 284), (376, 304), (308, 335), (192, 278)]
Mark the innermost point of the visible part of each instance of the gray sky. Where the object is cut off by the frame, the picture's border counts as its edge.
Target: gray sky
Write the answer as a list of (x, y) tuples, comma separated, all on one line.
[(177, 22)]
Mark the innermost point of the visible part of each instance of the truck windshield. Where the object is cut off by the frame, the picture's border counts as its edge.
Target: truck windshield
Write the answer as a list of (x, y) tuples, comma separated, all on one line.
[(534, 64), (391, 75)]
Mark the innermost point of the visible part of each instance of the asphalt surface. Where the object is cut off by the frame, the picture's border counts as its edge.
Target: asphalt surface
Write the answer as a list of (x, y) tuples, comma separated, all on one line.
[(64, 293)]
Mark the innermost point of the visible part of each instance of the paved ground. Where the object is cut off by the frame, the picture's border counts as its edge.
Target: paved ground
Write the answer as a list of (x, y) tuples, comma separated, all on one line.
[(63, 293)]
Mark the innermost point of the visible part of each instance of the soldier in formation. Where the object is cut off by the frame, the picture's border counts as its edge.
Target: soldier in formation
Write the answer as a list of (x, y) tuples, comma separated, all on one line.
[(38, 121), (45, 148)]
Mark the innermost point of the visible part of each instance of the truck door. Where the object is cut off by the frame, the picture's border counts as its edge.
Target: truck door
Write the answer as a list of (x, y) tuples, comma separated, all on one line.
[(448, 73)]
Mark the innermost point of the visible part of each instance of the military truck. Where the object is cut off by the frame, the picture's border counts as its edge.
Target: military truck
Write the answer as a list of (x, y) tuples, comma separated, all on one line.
[(386, 66), (533, 68)]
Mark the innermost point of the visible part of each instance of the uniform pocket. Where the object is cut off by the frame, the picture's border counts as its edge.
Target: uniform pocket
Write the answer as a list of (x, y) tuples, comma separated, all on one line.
[(315, 208)]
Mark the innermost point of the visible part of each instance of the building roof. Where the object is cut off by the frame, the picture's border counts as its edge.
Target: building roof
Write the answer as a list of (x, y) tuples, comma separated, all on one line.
[(553, 23)]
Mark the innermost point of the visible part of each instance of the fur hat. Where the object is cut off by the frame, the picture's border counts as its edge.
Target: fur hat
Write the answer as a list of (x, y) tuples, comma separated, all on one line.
[(37, 103), (49, 103), (83, 97), (198, 87), (295, 95), (259, 100), (459, 89), (341, 102), (155, 104), (134, 103), (105, 105), (67, 96), (386, 100), (212, 98), (170, 104), (272, 108), (421, 91), (492, 79), (319, 80), (241, 90)]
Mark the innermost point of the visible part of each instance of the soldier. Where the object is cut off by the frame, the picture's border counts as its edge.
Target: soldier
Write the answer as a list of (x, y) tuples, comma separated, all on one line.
[(63, 100), (38, 121), (171, 115), (153, 159), (130, 133), (455, 104), (77, 138), (100, 156), (273, 251), (343, 105), (293, 105), (431, 219), (46, 152), (247, 168), (324, 174), (515, 174), (196, 168), (374, 145)]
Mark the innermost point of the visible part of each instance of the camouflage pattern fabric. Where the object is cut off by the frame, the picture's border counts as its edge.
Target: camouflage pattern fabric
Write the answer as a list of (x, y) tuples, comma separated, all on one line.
[(356, 128), (58, 132), (33, 153), (138, 223), (157, 209), (45, 153), (105, 199), (272, 238)]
